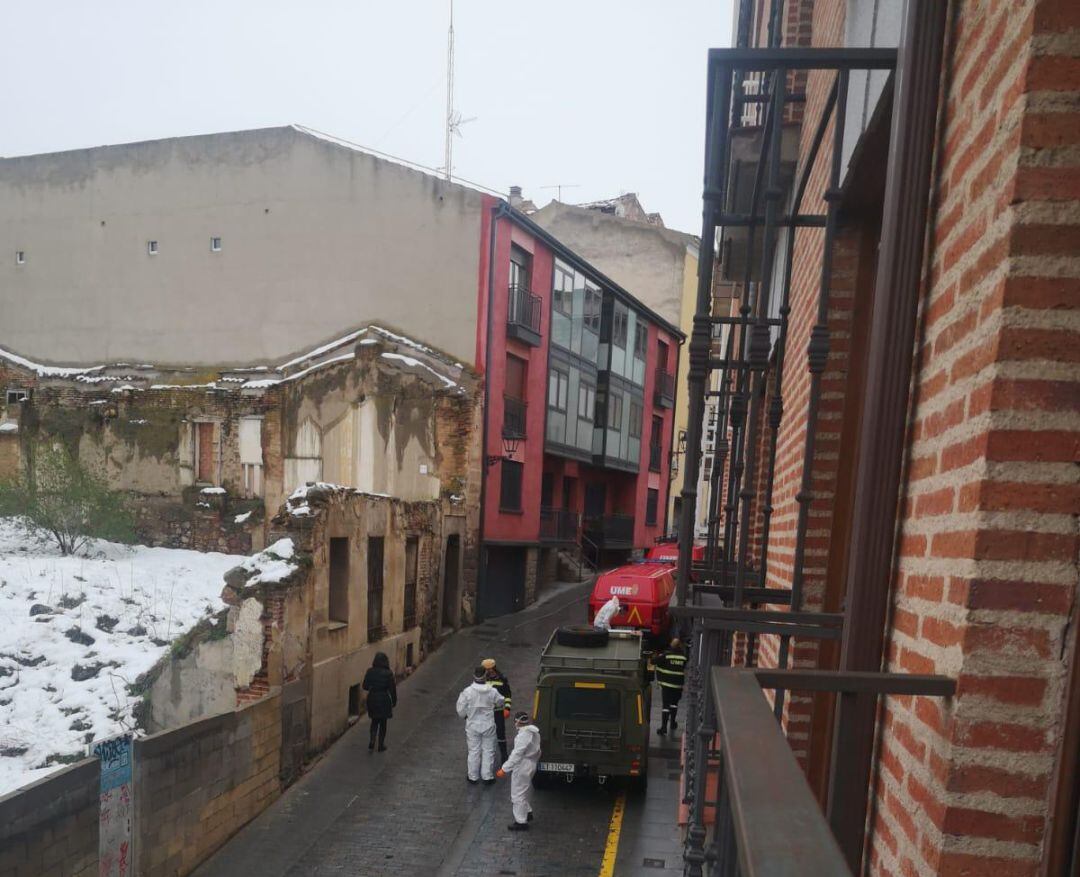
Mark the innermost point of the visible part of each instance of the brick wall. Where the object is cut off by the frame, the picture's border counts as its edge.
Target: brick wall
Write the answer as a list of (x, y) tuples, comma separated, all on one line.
[(50, 828), (988, 567), (197, 785)]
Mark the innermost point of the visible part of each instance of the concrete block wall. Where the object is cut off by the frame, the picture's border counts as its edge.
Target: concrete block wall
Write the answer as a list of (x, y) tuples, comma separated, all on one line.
[(50, 828), (197, 785)]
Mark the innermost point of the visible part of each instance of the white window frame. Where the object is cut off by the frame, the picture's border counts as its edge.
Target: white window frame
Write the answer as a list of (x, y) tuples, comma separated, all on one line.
[(151, 248)]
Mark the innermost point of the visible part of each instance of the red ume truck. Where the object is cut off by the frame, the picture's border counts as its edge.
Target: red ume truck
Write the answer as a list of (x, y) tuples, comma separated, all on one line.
[(644, 591), (668, 552)]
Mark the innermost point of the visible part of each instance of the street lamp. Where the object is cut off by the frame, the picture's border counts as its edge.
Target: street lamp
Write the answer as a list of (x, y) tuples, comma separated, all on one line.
[(510, 446)]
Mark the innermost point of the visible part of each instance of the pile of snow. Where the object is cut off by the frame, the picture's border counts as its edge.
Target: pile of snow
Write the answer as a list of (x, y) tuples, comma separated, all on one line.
[(271, 565), (76, 631)]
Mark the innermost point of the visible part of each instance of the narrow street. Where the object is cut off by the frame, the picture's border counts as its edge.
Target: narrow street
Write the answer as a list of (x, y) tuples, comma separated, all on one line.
[(410, 811)]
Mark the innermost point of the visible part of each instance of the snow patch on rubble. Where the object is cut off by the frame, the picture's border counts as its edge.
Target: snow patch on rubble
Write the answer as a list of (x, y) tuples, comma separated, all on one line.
[(77, 631), (273, 564)]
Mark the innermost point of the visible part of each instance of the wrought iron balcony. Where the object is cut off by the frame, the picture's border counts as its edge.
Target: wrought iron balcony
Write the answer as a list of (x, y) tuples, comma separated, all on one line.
[(514, 411), (655, 456), (611, 531), (523, 315), (665, 389), (559, 526)]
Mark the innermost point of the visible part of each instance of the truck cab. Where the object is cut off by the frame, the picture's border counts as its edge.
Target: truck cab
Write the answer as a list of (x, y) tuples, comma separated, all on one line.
[(592, 706)]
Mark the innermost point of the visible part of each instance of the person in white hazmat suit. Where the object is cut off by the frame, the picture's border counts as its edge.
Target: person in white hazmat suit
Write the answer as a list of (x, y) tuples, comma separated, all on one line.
[(522, 765), (477, 705), (609, 610)]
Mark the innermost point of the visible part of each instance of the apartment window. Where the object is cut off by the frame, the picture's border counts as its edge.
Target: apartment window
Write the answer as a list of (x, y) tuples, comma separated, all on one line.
[(652, 500), (412, 552), (586, 401), (635, 420), (558, 389), (618, 327), (152, 248), (706, 468), (592, 309), (614, 412), (520, 268), (14, 397), (641, 339), (215, 245), (562, 295), (510, 486), (374, 587), (338, 609), (20, 257)]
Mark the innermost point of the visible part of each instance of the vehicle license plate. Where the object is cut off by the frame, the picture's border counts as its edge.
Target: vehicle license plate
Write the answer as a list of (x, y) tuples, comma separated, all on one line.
[(556, 767)]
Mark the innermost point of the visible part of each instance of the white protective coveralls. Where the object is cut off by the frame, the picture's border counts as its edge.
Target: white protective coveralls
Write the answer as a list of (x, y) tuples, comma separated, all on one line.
[(477, 705), (606, 612), (521, 765)]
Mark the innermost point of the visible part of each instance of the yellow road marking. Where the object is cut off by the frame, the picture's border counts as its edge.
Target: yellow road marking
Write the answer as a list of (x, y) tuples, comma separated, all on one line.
[(611, 850)]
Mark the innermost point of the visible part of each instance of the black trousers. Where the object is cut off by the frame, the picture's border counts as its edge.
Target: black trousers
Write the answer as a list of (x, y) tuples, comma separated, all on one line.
[(500, 734), (669, 699), (378, 727)]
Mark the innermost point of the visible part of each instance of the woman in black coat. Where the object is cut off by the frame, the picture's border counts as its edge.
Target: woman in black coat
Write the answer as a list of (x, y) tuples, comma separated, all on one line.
[(381, 699)]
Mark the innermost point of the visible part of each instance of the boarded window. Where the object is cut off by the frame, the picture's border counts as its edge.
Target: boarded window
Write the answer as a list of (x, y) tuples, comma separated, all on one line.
[(204, 453), (338, 609), (251, 456), (510, 486), (412, 553), (652, 499), (515, 376), (375, 588)]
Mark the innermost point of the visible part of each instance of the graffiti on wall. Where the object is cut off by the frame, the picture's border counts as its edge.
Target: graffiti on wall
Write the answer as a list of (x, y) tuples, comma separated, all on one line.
[(116, 806)]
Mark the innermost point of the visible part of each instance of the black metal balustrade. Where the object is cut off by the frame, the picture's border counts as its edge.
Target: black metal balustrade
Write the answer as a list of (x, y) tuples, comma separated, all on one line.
[(523, 315), (664, 397), (558, 525), (756, 180), (611, 531), (514, 411)]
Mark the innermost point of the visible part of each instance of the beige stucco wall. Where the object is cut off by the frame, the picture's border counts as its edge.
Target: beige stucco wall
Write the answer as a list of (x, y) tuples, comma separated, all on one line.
[(682, 394), (316, 238)]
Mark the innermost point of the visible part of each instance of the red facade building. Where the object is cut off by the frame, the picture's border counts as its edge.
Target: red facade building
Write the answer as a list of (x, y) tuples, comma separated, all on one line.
[(579, 412)]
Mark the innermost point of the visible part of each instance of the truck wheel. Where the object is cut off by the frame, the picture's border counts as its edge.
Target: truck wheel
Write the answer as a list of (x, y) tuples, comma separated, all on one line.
[(581, 637)]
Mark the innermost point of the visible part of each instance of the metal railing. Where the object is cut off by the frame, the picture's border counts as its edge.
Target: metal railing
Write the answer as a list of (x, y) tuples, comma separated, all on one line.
[(558, 525), (611, 531), (524, 309), (514, 411), (665, 388), (765, 818)]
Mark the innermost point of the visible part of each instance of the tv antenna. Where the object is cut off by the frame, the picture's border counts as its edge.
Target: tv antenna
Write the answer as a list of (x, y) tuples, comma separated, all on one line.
[(558, 187), (454, 121)]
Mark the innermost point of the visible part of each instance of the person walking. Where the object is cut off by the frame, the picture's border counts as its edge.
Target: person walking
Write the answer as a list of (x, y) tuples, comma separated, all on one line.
[(605, 613), (522, 765), (502, 685), (381, 698), (476, 705), (670, 672)]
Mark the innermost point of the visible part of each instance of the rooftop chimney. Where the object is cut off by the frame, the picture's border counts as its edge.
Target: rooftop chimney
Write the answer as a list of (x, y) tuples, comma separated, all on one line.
[(515, 196)]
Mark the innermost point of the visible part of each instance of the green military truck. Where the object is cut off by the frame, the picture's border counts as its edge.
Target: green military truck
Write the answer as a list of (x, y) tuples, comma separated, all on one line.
[(592, 706)]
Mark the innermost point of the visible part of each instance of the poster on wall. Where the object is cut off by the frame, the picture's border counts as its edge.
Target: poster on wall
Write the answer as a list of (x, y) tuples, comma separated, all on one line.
[(116, 811)]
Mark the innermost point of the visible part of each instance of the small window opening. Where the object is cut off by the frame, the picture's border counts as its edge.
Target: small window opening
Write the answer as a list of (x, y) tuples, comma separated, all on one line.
[(354, 701), (215, 245), (20, 257), (14, 397), (339, 580), (152, 248), (409, 655)]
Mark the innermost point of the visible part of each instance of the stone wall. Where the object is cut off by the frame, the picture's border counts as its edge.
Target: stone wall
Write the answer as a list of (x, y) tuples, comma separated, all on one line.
[(195, 786), (50, 828)]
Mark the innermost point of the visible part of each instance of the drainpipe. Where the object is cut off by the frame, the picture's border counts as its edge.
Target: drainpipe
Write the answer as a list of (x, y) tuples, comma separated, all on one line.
[(497, 213)]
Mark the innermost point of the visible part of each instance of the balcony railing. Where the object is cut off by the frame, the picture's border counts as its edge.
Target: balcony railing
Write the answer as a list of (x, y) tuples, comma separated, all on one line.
[(655, 456), (611, 531), (514, 411), (523, 315), (558, 525), (665, 389)]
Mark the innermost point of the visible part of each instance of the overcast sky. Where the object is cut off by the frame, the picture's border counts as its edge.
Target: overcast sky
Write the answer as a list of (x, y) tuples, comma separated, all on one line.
[(605, 94)]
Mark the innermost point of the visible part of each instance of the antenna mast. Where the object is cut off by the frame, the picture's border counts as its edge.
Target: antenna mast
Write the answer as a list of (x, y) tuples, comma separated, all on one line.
[(450, 92)]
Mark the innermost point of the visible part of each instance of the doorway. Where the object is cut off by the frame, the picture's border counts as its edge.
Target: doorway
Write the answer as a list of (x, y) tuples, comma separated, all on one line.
[(595, 500), (450, 599), (504, 582)]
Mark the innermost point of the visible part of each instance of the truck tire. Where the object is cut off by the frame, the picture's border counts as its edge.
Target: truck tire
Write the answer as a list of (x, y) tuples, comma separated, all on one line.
[(581, 637)]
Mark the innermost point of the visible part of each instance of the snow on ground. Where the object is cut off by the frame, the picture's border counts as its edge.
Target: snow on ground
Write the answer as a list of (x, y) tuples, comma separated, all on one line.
[(76, 631)]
